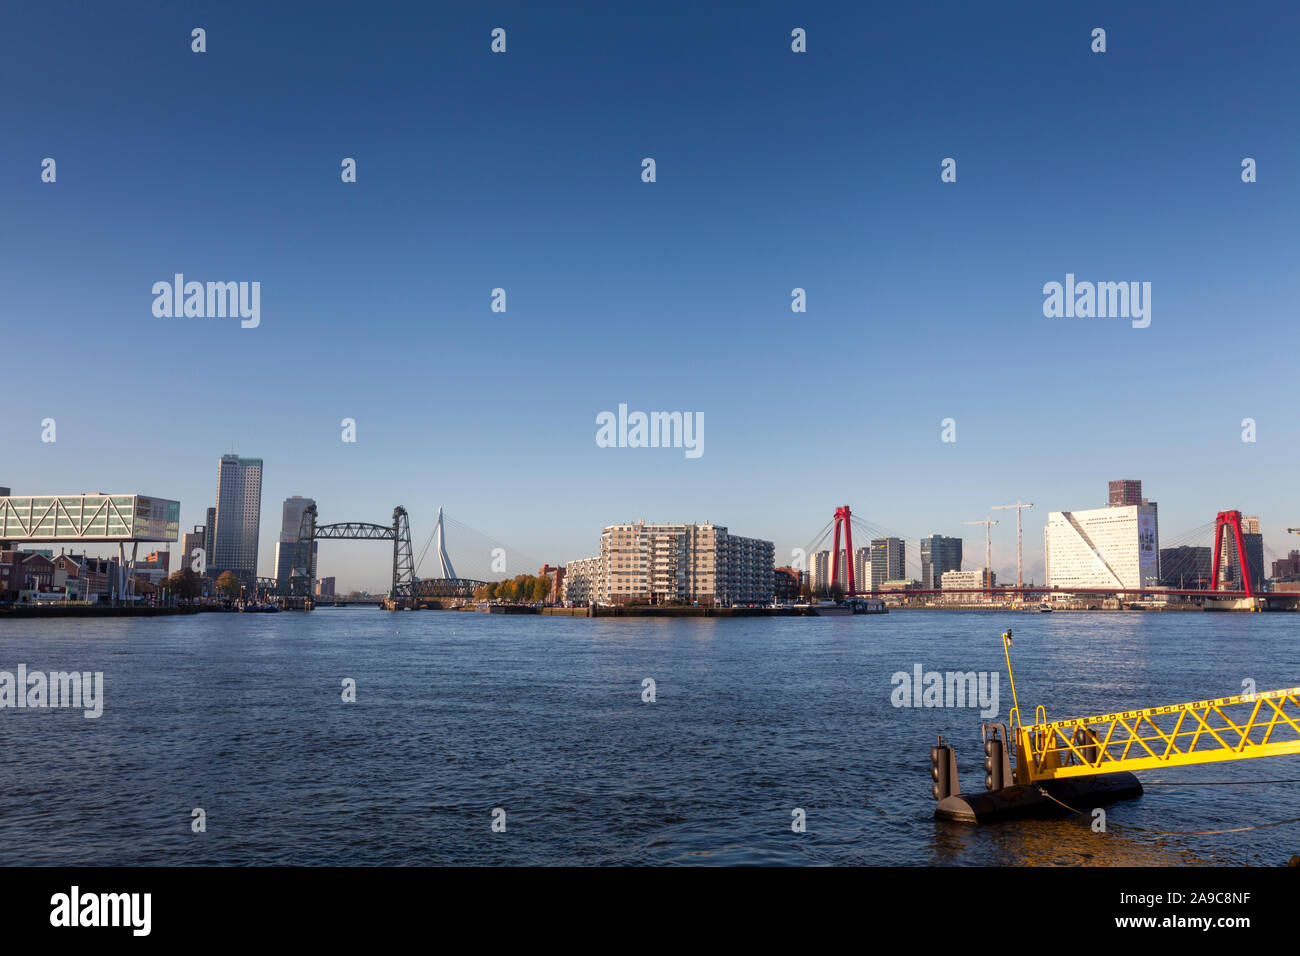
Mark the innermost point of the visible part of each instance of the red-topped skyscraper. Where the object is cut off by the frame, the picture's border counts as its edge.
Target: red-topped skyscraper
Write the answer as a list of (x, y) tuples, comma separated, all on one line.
[(1125, 492)]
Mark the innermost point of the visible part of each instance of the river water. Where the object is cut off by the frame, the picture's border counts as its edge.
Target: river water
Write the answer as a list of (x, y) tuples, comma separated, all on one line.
[(458, 715)]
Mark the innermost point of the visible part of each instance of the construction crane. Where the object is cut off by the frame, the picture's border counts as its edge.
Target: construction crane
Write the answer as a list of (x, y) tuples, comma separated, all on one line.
[(1020, 562), (988, 523)]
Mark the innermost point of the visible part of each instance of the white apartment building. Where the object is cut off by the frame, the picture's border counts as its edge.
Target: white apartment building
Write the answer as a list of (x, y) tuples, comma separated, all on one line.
[(1104, 548), (963, 581), (683, 563), (819, 570), (580, 581)]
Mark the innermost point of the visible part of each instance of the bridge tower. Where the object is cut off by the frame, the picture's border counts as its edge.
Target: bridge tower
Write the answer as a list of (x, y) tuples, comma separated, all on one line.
[(405, 583), (404, 580), (843, 516), (300, 570), (444, 562), (1231, 519)]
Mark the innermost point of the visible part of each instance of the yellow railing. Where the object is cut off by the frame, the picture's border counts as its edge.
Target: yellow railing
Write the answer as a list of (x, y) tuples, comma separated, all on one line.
[(1203, 731)]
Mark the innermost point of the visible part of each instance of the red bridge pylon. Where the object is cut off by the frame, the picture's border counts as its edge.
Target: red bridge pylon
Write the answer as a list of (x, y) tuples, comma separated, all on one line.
[(843, 516), (1231, 519)]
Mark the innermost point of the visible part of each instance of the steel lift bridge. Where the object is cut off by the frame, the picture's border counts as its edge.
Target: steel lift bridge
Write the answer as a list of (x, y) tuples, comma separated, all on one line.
[(1090, 760), (408, 590)]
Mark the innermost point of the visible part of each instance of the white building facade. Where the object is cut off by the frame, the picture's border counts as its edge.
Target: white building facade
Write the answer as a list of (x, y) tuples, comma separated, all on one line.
[(678, 564), (581, 578), (1103, 548), (965, 582)]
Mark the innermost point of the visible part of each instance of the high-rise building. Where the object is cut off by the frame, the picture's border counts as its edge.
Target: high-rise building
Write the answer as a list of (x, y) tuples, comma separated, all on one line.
[(862, 569), (209, 539), (886, 561), (819, 572), (939, 553), (286, 554), (291, 516), (325, 587), (189, 542), (238, 516), (286, 548), (683, 563), (1185, 567), (1104, 548), (1230, 564), (1125, 493)]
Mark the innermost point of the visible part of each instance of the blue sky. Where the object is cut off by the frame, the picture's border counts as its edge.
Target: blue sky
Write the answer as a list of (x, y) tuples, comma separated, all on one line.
[(775, 170)]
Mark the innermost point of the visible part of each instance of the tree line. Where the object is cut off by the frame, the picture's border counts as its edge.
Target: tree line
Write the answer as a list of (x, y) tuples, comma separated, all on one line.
[(522, 587)]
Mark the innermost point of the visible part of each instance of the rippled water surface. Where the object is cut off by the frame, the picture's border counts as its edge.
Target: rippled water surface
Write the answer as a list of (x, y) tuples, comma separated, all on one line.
[(460, 713)]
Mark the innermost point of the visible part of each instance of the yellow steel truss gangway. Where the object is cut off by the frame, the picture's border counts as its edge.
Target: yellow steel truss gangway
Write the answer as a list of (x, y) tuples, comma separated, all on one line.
[(1094, 756), (1202, 731)]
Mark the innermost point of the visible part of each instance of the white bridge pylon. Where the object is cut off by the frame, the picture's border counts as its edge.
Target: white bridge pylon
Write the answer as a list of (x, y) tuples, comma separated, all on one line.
[(444, 562)]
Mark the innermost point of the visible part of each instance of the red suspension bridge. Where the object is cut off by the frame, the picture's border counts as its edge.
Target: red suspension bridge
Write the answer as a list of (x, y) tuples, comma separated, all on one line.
[(1246, 580)]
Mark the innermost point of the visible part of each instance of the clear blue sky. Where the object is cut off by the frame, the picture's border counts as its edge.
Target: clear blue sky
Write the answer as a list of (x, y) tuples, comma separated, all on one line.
[(775, 171)]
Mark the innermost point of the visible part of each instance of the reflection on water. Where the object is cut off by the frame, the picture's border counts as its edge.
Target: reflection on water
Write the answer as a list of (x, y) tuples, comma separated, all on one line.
[(1067, 842), (459, 713)]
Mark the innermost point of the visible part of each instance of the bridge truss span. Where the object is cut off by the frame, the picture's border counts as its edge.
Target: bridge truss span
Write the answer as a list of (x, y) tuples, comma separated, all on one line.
[(402, 593)]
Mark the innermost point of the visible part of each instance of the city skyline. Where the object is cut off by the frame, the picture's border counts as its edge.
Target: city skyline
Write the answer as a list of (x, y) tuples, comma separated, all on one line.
[(776, 171), (374, 572)]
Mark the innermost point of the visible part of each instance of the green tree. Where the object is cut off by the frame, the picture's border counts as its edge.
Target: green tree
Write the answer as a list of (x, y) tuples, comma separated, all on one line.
[(228, 585)]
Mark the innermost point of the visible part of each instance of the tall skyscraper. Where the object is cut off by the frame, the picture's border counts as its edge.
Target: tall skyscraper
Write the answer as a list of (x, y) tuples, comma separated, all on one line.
[(819, 572), (939, 553), (286, 547), (291, 516), (886, 561), (1125, 493), (239, 512), (1185, 566)]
